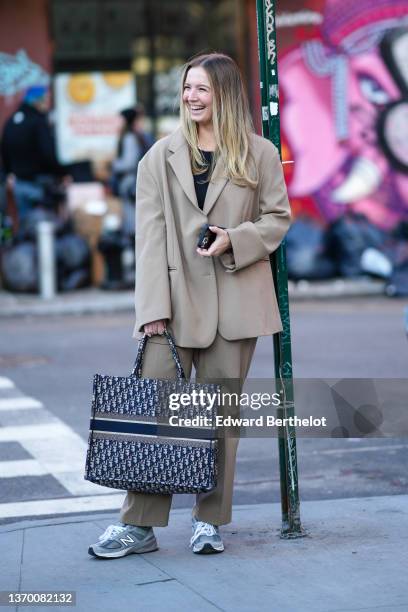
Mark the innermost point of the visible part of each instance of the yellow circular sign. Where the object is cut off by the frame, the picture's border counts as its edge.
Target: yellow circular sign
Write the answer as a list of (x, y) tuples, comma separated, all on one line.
[(116, 80), (81, 88)]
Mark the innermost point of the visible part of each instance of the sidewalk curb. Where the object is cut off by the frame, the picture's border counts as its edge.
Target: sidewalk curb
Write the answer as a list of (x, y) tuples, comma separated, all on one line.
[(75, 303), (97, 301), (336, 288), (89, 517), (49, 522)]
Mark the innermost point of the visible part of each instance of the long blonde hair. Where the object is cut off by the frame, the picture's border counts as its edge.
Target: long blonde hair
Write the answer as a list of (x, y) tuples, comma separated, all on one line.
[(232, 122)]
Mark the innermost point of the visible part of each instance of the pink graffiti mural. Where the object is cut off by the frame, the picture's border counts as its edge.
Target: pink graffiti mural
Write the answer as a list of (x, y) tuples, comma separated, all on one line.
[(345, 111)]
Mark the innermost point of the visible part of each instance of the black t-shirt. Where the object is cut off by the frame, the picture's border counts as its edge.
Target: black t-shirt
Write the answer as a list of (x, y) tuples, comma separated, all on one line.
[(201, 180)]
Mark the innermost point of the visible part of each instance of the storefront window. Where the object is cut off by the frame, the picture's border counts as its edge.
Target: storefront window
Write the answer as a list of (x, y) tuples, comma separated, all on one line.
[(152, 38)]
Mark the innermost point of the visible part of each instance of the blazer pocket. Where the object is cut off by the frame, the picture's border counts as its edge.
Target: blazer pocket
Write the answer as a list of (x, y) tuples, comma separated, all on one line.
[(171, 268)]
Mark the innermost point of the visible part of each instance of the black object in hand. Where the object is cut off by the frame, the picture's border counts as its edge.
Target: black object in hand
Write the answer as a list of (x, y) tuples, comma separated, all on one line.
[(206, 237)]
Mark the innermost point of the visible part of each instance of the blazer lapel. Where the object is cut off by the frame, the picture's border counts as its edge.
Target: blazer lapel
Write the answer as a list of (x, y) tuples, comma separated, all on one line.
[(215, 187), (179, 160)]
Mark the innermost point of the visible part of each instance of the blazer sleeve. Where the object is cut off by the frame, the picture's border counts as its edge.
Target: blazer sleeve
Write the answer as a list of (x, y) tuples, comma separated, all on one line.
[(152, 278), (255, 240)]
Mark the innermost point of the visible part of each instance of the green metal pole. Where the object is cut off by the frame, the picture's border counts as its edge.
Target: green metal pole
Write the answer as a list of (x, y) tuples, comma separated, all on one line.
[(268, 67)]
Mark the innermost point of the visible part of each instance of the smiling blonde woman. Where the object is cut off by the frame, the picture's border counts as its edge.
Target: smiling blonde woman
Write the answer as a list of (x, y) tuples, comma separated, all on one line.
[(217, 301)]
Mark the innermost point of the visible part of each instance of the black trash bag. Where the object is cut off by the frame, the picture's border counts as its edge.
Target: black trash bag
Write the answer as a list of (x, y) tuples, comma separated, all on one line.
[(28, 229), (306, 251), (72, 252), (19, 268), (111, 245), (77, 279), (398, 283), (400, 231), (396, 247), (73, 262), (348, 237)]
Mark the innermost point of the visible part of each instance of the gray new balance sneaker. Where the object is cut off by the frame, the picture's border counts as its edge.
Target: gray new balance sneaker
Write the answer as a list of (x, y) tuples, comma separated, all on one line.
[(206, 539), (121, 539)]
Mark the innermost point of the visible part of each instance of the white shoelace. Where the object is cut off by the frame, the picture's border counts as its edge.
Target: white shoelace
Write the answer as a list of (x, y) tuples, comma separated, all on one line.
[(202, 528), (111, 531)]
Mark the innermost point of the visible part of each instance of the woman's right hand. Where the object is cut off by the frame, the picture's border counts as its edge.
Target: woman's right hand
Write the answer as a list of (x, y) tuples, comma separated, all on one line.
[(155, 327)]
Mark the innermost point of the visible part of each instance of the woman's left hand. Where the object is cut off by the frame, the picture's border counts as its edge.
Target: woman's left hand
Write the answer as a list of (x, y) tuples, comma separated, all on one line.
[(221, 244)]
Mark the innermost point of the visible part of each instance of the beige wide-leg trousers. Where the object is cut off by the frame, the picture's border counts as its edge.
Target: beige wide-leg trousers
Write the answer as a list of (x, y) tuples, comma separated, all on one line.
[(224, 359)]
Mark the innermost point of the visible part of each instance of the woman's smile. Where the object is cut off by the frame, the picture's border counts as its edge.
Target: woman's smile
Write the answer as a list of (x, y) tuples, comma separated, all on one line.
[(197, 95)]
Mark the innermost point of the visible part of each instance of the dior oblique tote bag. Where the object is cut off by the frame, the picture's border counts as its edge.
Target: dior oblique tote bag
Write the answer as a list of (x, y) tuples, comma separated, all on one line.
[(132, 445)]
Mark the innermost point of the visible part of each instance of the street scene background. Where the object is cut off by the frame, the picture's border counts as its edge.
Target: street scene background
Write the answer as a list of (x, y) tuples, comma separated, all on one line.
[(96, 75)]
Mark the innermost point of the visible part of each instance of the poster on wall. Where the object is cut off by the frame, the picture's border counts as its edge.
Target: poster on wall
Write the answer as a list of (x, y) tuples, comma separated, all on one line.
[(87, 107), (344, 118)]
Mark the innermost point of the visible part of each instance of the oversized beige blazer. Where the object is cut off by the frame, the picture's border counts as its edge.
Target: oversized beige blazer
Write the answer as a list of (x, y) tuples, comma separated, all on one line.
[(233, 293)]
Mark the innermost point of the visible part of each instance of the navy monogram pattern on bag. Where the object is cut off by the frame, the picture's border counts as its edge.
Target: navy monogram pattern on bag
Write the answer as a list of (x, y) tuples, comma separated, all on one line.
[(131, 444), (152, 467)]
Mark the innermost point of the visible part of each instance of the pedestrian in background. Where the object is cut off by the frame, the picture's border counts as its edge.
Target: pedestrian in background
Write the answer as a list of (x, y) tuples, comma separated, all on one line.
[(133, 143), (215, 302), (28, 151)]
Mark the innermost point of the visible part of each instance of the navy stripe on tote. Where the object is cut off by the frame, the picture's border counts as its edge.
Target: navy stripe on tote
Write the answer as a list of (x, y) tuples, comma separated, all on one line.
[(152, 429)]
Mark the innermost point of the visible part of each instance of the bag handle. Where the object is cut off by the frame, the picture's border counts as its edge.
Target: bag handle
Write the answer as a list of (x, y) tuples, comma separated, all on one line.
[(137, 368)]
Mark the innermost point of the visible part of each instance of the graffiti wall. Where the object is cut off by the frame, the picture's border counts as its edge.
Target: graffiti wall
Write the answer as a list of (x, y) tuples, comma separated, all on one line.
[(25, 51), (344, 114)]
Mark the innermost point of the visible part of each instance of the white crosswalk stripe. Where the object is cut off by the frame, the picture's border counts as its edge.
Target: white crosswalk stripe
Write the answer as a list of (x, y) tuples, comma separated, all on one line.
[(25, 467), (6, 383), (19, 403), (52, 507), (55, 450)]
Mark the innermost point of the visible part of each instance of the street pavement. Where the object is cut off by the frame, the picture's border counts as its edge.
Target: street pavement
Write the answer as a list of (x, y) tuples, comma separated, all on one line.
[(353, 558), (42, 465), (353, 492), (49, 363)]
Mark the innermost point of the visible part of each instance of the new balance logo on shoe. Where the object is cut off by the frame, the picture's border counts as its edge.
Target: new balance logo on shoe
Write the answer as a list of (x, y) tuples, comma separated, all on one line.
[(120, 540)]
